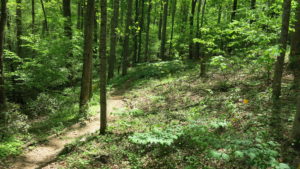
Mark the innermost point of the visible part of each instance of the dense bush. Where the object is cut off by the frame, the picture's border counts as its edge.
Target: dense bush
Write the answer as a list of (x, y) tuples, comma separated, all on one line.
[(15, 122), (43, 105)]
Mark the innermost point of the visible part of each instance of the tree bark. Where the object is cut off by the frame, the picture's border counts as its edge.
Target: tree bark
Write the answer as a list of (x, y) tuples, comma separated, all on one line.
[(203, 57), (135, 34), (191, 44), (295, 43), (2, 28), (45, 24), (164, 31), (33, 16), (87, 57), (126, 51), (295, 53), (220, 13), (253, 7), (113, 39), (197, 45), (276, 86), (234, 8), (67, 16), (160, 19), (141, 25), (103, 67), (174, 5), (79, 14), (148, 30), (19, 27)]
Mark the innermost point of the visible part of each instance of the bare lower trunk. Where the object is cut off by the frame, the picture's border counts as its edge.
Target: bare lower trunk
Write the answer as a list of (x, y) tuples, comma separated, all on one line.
[(2, 27), (126, 38), (113, 40), (103, 67), (276, 120), (88, 57)]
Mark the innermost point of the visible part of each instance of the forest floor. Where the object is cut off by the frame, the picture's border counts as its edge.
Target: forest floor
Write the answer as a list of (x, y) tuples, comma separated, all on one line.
[(171, 118), (41, 155)]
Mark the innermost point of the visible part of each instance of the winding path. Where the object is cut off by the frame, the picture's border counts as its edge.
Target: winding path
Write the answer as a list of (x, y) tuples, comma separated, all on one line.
[(43, 154)]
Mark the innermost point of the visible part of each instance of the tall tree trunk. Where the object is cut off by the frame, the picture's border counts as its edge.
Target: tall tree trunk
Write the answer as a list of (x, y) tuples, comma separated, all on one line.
[(2, 27), (68, 34), (234, 8), (141, 25), (280, 63), (160, 19), (33, 16), (203, 57), (103, 65), (87, 57), (295, 53), (126, 51), (174, 5), (220, 13), (82, 13), (67, 16), (135, 34), (295, 43), (252, 7), (45, 24), (197, 45), (19, 27), (148, 30), (96, 24), (79, 14), (113, 39), (164, 32), (191, 44)]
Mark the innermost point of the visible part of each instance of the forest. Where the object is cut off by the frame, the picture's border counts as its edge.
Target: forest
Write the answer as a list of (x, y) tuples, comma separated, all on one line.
[(154, 84)]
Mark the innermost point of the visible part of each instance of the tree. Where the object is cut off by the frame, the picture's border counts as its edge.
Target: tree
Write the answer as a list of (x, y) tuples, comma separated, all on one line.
[(87, 56), (2, 28), (45, 24), (197, 44), (276, 86), (252, 7), (33, 16), (19, 27), (161, 4), (203, 57), (135, 33), (126, 38), (103, 65), (191, 45), (164, 32), (234, 9), (80, 14), (113, 39), (141, 28), (67, 16), (148, 30), (295, 54), (174, 5)]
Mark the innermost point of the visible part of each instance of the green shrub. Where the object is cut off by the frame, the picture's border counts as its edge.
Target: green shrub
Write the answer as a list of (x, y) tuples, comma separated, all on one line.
[(10, 147), (199, 137), (14, 121), (157, 136), (43, 105), (256, 153)]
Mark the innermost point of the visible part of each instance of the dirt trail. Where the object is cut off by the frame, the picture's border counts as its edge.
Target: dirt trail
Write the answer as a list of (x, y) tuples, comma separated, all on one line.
[(43, 154)]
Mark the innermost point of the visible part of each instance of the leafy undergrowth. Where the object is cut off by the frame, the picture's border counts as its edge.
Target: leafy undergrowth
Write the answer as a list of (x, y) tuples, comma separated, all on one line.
[(45, 116), (51, 113), (182, 121)]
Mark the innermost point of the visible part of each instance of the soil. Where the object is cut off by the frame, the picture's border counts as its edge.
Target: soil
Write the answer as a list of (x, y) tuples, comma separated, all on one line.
[(44, 154)]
